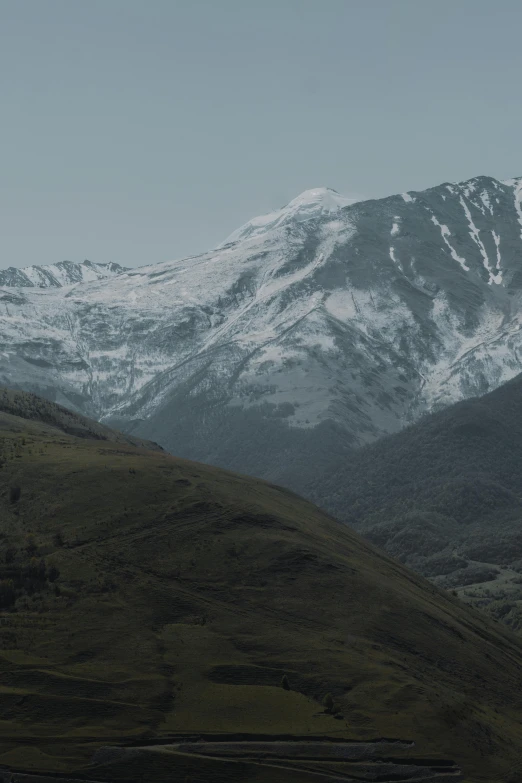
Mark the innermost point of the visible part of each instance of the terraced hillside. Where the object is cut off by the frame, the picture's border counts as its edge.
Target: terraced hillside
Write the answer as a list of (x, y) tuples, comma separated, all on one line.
[(145, 596)]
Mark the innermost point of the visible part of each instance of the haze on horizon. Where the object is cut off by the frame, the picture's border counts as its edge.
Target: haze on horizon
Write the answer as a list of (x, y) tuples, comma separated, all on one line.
[(137, 132)]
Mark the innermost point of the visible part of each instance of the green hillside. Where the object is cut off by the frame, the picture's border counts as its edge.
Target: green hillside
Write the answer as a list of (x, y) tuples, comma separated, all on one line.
[(33, 408), (143, 595), (445, 497)]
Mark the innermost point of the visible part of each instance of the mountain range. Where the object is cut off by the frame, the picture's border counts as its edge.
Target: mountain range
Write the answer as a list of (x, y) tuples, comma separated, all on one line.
[(310, 331), (64, 273)]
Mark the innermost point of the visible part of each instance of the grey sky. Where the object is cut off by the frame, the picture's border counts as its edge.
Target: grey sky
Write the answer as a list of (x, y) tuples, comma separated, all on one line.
[(142, 130)]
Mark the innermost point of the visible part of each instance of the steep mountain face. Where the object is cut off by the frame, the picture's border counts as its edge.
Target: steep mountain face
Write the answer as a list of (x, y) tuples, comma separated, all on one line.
[(64, 273), (445, 497), (145, 596), (317, 328)]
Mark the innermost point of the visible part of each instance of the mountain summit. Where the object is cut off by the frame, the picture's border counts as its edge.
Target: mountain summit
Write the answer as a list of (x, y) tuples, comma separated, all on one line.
[(309, 205), (317, 328)]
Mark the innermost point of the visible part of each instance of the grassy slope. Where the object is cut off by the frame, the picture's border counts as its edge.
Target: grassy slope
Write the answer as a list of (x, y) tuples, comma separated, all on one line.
[(33, 408), (445, 497), (186, 592)]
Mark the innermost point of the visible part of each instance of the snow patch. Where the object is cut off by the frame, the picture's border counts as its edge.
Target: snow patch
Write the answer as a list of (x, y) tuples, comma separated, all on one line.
[(475, 235), (376, 313), (484, 197), (445, 233), (456, 345), (496, 239), (341, 304), (395, 260), (334, 233), (516, 184)]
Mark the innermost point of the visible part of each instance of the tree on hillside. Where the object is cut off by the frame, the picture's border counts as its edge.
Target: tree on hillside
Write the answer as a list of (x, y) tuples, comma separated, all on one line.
[(328, 702), (15, 493)]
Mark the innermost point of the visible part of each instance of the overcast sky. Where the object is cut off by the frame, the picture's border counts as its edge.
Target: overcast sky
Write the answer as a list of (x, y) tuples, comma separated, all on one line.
[(145, 130)]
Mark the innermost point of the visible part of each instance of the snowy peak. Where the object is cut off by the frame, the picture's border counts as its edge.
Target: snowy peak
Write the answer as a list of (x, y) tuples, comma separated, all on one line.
[(316, 202), (319, 313), (64, 273), (309, 205)]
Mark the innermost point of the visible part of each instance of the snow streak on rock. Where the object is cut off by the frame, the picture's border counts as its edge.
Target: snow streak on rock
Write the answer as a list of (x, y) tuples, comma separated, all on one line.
[(445, 233), (474, 234)]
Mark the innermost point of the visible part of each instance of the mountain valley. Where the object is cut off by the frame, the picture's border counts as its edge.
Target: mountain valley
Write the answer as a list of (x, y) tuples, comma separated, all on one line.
[(445, 497)]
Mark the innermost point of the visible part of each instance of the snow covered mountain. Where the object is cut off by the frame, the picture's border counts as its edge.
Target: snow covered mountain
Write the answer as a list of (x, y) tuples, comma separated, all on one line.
[(58, 275), (321, 326)]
